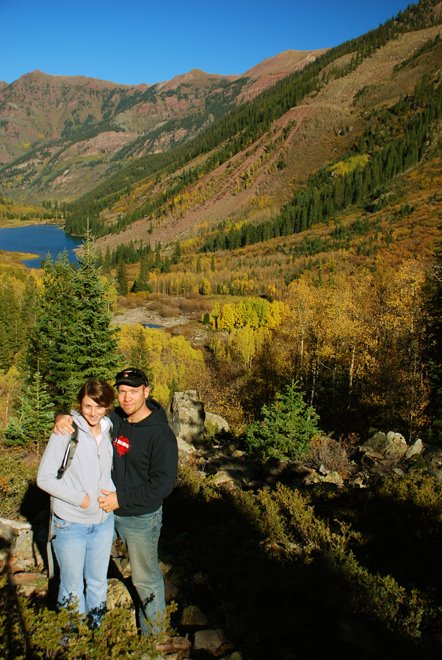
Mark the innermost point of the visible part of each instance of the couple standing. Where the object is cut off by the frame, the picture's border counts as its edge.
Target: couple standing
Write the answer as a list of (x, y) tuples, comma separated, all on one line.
[(126, 462)]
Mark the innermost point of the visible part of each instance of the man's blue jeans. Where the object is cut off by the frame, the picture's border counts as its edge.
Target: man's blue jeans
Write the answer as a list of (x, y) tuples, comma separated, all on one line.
[(141, 535), (83, 553)]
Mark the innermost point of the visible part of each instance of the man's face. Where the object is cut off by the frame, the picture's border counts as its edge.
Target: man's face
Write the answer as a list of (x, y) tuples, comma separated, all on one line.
[(132, 399)]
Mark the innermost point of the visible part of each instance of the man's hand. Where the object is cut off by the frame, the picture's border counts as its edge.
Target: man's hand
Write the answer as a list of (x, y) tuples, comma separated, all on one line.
[(108, 501), (86, 502), (63, 425)]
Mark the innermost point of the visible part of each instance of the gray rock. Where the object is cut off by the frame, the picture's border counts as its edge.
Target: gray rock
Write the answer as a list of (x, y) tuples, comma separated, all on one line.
[(193, 617), (216, 423), (415, 449), (118, 594), (187, 416), (391, 445), (212, 641)]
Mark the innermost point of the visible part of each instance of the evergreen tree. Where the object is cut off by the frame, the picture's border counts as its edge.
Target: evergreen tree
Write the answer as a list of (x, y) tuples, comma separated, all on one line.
[(107, 262), (136, 350), (121, 277), (34, 419), (176, 257), (286, 428), (72, 339), (28, 308), (8, 323), (142, 281), (96, 351)]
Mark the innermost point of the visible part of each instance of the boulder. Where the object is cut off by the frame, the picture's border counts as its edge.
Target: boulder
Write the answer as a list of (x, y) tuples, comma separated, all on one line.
[(390, 445), (193, 617), (415, 449), (212, 641), (216, 424), (21, 542), (187, 416)]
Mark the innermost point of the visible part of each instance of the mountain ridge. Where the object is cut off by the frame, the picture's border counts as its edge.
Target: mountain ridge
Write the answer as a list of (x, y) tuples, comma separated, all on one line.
[(177, 158), (38, 109)]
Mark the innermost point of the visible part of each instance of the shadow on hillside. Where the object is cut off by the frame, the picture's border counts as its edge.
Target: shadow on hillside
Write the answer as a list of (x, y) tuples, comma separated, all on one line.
[(401, 539), (279, 608), (35, 507)]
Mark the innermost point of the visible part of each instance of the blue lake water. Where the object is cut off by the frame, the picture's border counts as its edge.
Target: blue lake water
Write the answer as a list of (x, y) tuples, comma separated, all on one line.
[(40, 240), (151, 325)]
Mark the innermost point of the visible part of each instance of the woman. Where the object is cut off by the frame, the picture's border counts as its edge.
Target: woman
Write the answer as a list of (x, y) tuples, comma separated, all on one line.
[(82, 532)]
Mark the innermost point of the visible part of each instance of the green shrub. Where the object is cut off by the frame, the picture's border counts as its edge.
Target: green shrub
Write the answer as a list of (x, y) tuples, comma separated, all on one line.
[(34, 631), (286, 428), (415, 488)]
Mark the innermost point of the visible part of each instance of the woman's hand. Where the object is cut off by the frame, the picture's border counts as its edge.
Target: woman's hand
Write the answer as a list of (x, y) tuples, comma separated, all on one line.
[(86, 502)]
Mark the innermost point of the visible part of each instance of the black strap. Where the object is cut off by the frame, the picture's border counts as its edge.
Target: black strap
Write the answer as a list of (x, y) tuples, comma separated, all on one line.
[(69, 453)]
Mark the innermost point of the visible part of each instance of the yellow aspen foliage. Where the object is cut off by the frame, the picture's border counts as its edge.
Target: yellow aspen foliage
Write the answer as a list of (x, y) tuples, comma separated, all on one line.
[(218, 346), (171, 362), (228, 317), (346, 166), (214, 316), (244, 343), (9, 392), (252, 312), (404, 296), (204, 287)]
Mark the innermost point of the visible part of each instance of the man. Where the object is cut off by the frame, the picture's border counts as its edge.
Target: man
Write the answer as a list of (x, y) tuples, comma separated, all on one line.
[(145, 464)]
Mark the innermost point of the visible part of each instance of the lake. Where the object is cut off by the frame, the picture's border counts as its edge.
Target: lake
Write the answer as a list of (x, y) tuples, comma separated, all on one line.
[(40, 240)]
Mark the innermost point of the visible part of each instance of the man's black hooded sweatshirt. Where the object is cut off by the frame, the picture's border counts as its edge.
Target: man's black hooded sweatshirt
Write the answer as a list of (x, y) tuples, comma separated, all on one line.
[(145, 462)]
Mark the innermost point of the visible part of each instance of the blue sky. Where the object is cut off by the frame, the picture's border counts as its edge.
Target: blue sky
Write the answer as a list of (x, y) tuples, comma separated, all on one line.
[(147, 41)]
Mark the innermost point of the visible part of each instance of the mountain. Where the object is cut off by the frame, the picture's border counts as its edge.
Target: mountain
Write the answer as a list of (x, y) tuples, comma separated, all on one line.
[(59, 135), (216, 161), (247, 167)]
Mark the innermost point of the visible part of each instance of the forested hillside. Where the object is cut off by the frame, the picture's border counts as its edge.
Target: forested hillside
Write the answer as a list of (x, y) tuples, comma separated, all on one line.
[(247, 167)]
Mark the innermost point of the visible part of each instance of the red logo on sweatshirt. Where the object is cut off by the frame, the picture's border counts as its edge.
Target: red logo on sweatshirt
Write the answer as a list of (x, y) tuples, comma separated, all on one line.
[(121, 444)]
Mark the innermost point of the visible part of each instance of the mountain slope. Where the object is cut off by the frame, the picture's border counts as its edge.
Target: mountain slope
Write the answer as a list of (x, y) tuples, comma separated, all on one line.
[(59, 135), (257, 181)]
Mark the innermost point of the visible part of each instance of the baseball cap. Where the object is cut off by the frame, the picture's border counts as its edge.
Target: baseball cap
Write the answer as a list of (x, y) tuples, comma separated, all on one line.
[(132, 377)]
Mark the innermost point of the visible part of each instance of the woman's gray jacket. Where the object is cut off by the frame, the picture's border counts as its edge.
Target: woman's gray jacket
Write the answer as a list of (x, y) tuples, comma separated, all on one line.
[(88, 473)]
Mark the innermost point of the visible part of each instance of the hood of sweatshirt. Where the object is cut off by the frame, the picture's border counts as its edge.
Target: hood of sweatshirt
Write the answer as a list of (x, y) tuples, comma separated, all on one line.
[(157, 416)]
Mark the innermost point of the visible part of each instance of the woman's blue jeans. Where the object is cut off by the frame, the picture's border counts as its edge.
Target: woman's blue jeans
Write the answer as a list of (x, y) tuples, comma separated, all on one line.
[(83, 553), (141, 535)]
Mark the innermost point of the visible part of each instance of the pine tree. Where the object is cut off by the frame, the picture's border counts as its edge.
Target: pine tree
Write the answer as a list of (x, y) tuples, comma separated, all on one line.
[(176, 257), (96, 352), (121, 277), (9, 323), (28, 307), (34, 419), (72, 339), (142, 281), (286, 428)]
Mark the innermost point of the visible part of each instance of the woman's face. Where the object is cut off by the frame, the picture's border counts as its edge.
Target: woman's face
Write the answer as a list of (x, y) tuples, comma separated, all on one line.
[(92, 411)]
